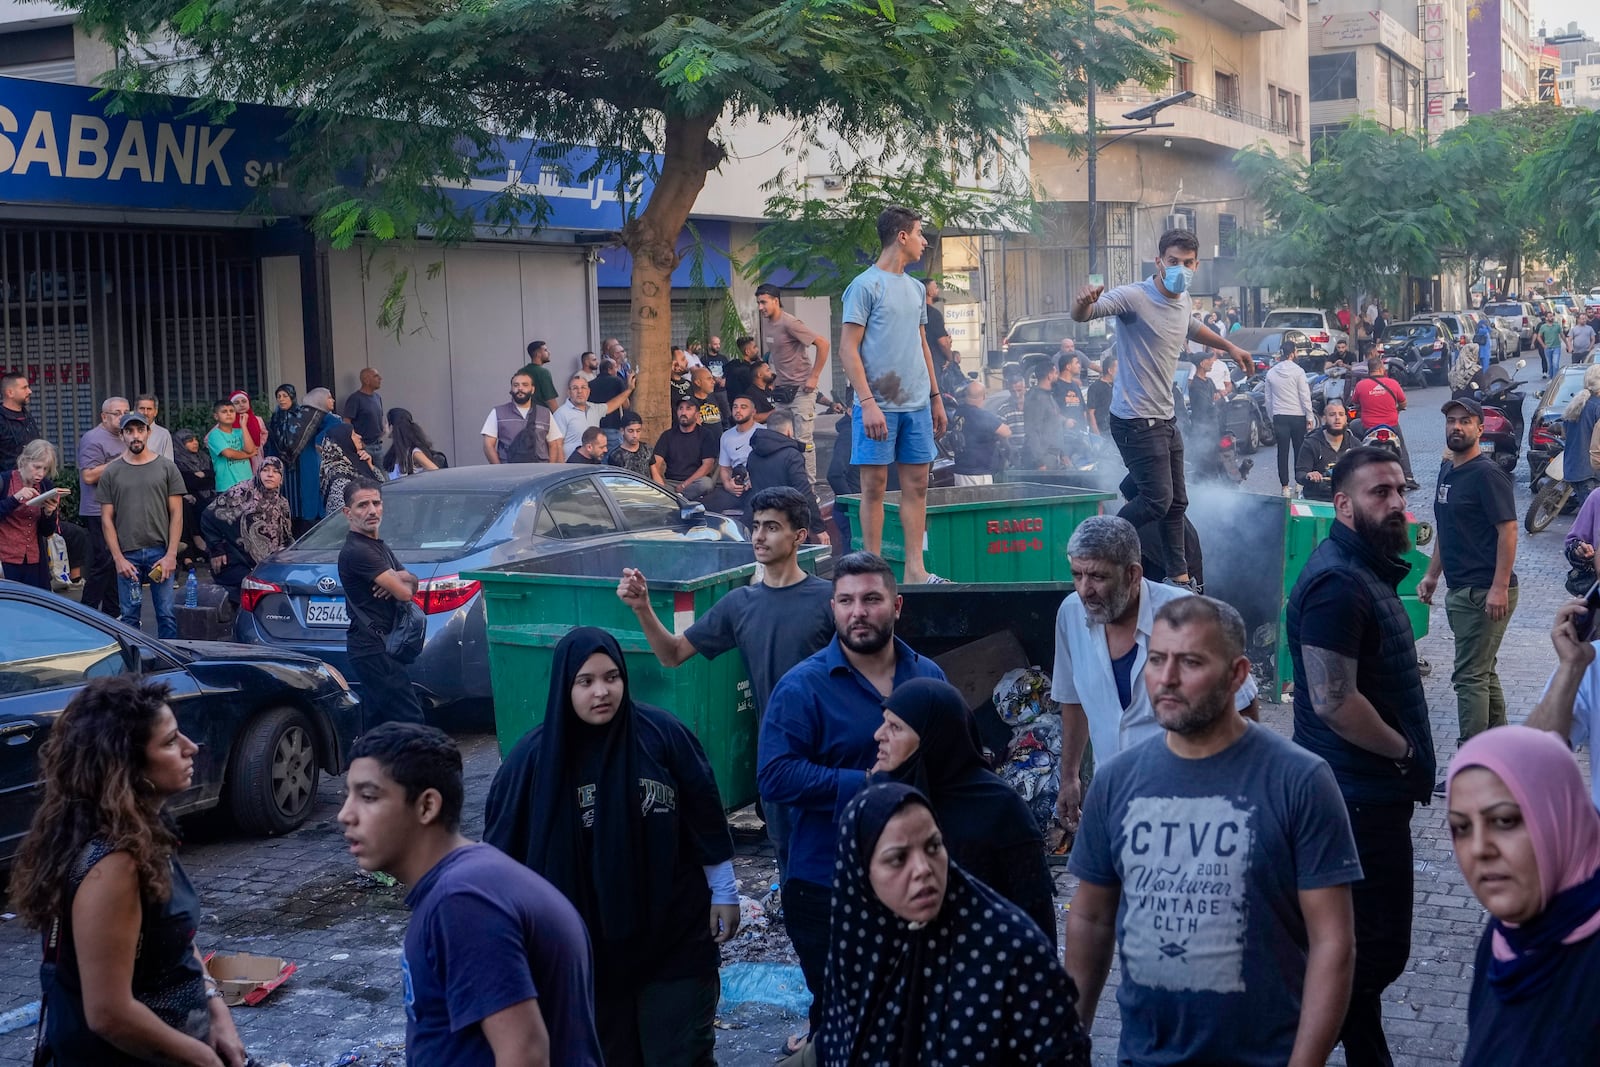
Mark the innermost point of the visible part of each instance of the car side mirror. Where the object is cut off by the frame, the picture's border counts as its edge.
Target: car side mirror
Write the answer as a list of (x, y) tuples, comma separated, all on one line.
[(693, 514), (142, 660)]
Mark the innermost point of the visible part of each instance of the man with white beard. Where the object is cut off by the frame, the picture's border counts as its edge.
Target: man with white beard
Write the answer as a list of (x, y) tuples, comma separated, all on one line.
[(1102, 636)]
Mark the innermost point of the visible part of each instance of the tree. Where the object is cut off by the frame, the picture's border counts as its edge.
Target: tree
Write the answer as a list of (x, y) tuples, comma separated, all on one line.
[(1374, 207), (401, 97), (1560, 184)]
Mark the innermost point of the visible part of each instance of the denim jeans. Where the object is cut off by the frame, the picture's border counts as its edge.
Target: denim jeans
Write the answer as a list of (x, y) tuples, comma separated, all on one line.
[(1152, 450), (1480, 702), (160, 592), (807, 913)]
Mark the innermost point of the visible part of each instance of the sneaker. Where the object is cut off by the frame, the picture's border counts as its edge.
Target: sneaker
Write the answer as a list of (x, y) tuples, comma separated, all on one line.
[(1439, 790), (934, 579), (1288, 493)]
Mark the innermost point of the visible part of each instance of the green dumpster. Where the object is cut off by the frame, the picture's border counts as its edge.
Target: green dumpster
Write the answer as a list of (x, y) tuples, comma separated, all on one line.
[(1015, 532), (533, 604), (1309, 524)]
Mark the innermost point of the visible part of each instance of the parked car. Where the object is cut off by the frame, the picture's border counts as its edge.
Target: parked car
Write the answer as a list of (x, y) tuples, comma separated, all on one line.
[(1264, 345), (1459, 324), (1321, 328), (1042, 336), (1544, 427), (268, 722), (1517, 317), (441, 523), (1425, 347)]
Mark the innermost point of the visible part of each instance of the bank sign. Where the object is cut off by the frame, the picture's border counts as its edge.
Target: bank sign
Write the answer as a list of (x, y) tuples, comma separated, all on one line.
[(58, 147)]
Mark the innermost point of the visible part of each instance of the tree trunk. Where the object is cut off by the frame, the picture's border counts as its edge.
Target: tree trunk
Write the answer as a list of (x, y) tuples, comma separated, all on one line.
[(688, 156)]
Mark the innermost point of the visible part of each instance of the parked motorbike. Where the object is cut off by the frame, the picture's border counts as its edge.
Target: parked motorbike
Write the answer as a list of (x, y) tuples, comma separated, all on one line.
[(1220, 463), (1502, 401), (1544, 444), (1552, 499)]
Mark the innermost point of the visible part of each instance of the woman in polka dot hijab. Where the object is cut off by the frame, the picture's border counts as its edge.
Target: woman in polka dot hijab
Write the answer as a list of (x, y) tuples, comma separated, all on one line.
[(928, 965)]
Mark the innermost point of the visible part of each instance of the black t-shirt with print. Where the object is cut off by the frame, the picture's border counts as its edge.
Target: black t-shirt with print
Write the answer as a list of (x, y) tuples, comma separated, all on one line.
[(1471, 501), (1070, 396), (715, 414)]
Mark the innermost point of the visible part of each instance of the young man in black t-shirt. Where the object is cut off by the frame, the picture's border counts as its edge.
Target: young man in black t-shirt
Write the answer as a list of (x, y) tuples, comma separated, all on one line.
[(1476, 516), (1099, 398), (686, 455), (1068, 390), (375, 584)]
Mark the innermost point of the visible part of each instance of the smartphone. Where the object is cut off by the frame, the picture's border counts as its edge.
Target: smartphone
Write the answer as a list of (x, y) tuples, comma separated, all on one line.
[(44, 498), (1585, 622)]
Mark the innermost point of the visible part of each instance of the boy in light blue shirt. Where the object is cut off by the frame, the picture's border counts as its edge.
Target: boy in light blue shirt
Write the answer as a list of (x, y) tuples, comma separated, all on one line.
[(898, 411)]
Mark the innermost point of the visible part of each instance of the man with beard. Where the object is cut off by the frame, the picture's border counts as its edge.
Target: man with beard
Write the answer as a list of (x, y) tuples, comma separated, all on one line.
[(1476, 516), (141, 518), (1102, 641), (17, 426), (1313, 468), (375, 585), (686, 454), (506, 422), (1237, 859), (1359, 704), (817, 743)]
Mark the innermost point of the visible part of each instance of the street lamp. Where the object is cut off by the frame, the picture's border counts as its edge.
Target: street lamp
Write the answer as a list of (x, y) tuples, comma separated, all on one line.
[(1145, 119)]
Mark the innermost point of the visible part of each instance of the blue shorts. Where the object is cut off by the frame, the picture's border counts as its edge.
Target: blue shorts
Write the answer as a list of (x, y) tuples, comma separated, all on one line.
[(910, 439)]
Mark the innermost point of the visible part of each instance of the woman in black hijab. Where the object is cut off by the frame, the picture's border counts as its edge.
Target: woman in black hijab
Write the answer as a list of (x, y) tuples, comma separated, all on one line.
[(929, 740), (614, 803), (928, 965), (344, 461)]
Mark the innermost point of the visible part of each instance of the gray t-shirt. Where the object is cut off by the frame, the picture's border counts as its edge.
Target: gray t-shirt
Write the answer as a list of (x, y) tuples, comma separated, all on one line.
[(1581, 338), (893, 310), (772, 628), (138, 494), (94, 448), (1211, 856), (789, 341), (1150, 335)]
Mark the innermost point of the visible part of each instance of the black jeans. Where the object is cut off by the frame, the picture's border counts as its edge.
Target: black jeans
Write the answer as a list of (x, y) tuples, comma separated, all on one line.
[(1152, 450), (662, 1024), (807, 911), (1290, 431), (386, 693), (1383, 925), (100, 576)]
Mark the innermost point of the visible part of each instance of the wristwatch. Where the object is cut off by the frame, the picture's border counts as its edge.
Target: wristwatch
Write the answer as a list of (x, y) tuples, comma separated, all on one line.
[(1411, 750)]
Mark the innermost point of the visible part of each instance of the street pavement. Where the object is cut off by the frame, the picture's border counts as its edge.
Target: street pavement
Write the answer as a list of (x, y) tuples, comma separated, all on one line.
[(301, 897)]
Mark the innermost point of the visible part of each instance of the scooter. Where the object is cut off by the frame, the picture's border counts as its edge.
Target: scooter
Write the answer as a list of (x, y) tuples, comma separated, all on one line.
[(1552, 499), (1221, 464), (1384, 437), (1502, 402)]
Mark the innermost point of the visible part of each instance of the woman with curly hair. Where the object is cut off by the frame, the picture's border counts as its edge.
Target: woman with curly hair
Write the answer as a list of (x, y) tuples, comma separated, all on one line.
[(99, 874)]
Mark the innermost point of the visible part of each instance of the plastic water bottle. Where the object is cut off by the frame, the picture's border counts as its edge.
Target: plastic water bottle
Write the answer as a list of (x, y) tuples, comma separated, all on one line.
[(136, 594), (191, 591)]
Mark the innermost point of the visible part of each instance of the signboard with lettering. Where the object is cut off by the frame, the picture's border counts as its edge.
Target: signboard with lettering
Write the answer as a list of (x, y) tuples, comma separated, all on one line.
[(1350, 29), (1433, 67), (59, 146)]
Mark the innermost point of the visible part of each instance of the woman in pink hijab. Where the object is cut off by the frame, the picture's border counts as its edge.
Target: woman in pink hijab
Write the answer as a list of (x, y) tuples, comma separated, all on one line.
[(254, 429), (1527, 838)]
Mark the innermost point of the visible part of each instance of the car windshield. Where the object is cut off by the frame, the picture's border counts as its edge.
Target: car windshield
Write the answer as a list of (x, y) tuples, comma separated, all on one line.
[(1420, 331), (1564, 301), (1564, 388), (1503, 311), (419, 521), (1297, 320)]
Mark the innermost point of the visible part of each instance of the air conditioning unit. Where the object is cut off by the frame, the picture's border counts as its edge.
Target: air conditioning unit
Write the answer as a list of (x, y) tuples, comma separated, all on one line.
[(1180, 220)]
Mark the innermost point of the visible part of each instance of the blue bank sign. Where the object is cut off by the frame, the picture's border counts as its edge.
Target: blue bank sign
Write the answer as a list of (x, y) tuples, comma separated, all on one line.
[(58, 146)]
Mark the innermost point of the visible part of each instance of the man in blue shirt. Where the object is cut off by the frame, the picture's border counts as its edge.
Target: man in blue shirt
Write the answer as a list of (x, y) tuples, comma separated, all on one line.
[(898, 410), (496, 966), (817, 746)]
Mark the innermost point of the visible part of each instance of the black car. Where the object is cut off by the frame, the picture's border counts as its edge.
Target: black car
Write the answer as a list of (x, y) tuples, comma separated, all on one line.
[(1544, 428), (1420, 352), (1042, 336), (268, 723)]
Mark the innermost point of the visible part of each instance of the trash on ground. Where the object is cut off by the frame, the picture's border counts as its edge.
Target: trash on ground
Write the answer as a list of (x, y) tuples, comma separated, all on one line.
[(779, 984), (246, 979)]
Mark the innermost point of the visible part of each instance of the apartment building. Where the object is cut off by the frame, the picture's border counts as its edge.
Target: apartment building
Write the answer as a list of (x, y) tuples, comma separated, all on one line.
[(1499, 55), (1364, 63), (1578, 59)]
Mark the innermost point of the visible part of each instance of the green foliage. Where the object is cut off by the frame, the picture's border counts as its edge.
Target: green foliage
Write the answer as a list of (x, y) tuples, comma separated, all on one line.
[(1560, 183)]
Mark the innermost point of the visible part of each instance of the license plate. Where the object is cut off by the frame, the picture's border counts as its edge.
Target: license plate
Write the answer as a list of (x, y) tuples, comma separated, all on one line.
[(327, 611), (1486, 446)]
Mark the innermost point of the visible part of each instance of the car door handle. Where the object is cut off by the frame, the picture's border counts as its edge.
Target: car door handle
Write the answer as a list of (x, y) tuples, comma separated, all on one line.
[(18, 733)]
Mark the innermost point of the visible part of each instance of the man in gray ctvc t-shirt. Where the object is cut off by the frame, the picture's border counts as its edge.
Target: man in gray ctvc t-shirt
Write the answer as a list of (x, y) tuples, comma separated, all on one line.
[(1154, 320)]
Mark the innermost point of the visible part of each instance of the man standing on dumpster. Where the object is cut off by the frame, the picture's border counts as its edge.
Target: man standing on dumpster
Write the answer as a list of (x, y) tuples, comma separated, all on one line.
[(1154, 319), (774, 624)]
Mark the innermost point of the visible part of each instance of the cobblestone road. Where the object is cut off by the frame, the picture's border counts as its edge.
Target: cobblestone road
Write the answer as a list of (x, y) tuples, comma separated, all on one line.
[(301, 897)]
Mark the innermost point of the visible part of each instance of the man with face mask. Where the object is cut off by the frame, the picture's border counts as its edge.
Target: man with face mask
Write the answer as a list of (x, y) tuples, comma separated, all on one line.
[(1359, 704), (1102, 636), (1154, 320), (506, 423), (817, 743), (1313, 467)]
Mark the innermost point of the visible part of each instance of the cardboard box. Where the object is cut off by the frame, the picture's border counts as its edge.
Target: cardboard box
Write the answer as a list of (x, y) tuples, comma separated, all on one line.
[(247, 979)]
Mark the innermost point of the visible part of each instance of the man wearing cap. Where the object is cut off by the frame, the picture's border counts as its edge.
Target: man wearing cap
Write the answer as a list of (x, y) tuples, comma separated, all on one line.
[(686, 455), (1476, 517), (141, 517)]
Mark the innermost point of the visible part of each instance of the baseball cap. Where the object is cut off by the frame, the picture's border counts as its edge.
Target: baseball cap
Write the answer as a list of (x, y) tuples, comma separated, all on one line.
[(132, 417), (1472, 406)]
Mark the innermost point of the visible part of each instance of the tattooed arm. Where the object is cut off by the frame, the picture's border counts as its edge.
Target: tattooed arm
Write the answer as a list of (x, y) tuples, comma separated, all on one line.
[(1332, 678)]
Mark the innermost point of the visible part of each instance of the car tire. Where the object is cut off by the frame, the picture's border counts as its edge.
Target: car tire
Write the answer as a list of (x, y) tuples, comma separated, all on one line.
[(273, 772)]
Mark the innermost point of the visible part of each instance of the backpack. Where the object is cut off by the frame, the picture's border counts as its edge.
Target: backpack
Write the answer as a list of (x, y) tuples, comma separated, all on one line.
[(532, 445)]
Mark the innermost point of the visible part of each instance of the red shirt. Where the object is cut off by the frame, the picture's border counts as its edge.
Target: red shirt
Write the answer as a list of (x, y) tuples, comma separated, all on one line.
[(1379, 400), (1344, 318)]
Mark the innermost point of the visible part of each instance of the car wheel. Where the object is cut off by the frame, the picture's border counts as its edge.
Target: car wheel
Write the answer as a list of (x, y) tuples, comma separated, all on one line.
[(272, 780)]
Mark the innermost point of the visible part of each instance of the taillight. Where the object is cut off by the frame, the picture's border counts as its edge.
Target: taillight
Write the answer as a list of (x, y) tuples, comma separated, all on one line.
[(435, 596), (1383, 435), (1005, 345), (1379, 349), (1320, 338), (1226, 442), (1493, 423), (251, 590), (1542, 436)]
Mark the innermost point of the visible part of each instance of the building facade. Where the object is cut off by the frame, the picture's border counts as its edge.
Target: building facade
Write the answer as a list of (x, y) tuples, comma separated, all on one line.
[(1499, 55), (1578, 58), (1364, 63)]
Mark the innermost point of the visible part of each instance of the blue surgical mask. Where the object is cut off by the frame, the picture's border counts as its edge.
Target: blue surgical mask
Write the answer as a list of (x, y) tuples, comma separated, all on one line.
[(1176, 279)]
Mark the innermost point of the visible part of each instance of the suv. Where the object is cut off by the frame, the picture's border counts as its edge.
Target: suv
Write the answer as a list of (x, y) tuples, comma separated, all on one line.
[(1321, 327), (1517, 317), (1042, 336)]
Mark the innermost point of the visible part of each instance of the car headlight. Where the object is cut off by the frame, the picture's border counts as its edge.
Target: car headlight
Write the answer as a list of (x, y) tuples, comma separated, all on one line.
[(338, 677)]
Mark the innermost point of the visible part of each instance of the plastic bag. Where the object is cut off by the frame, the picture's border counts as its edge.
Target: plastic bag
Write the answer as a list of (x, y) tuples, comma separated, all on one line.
[(1022, 695), (60, 567), (779, 984)]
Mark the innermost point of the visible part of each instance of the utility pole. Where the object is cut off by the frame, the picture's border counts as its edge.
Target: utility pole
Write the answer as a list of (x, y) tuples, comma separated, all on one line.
[(1094, 246)]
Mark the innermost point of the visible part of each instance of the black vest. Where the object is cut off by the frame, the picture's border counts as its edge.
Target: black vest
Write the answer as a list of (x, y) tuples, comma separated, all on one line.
[(1386, 673), (508, 422)]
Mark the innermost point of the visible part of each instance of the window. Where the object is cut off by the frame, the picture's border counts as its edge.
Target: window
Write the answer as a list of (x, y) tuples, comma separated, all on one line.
[(643, 506), (1381, 84), (578, 510), (1227, 234), (1227, 91), (1399, 85), (1182, 73), (45, 649), (414, 521), (1333, 76)]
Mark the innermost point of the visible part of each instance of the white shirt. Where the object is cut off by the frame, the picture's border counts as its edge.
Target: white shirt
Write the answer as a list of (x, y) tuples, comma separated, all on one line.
[(588, 375), (734, 449), (1288, 392), (1586, 717), (1220, 377), (568, 422), (1083, 674)]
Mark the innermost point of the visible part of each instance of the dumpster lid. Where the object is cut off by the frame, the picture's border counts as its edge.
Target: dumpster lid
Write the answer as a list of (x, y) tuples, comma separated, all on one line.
[(973, 497), (668, 565)]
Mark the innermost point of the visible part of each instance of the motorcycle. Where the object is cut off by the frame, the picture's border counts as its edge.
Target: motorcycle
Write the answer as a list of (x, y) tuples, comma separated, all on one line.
[(1552, 499), (1384, 437), (1502, 402), (1221, 464)]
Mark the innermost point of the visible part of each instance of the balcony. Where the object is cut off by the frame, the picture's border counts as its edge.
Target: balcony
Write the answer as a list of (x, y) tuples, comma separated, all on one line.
[(1203, 119), (1245, 16)]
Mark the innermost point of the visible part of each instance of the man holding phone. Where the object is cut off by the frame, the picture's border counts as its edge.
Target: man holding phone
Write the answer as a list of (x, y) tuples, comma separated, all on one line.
[(1570, 705)]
